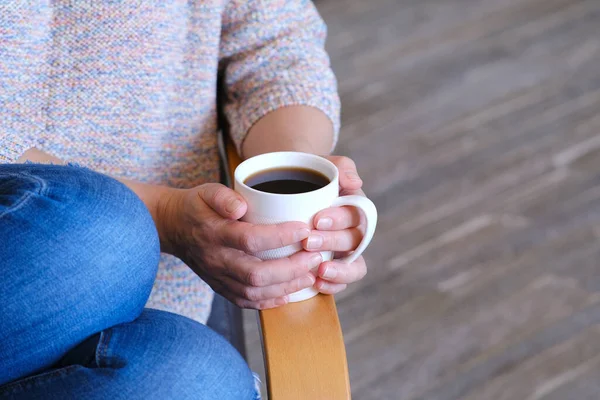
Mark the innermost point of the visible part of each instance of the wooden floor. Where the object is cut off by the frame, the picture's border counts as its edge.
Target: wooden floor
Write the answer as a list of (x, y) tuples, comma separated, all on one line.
[(476, 128)]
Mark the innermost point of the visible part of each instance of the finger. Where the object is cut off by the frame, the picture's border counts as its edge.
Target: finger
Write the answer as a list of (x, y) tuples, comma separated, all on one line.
[(223, 200), (337, 218), (345, 240), (257, 305), (352, 192), (329, 288), (257, 294), (263, 304), (251, 271), (349, 178), (222, 286), (336, 272), (254, 238)]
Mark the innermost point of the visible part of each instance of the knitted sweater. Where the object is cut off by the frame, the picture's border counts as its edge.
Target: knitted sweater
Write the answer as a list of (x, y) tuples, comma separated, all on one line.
[(128, 88)]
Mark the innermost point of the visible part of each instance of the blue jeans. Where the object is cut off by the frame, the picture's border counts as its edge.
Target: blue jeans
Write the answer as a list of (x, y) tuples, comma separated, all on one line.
[(78, 257)]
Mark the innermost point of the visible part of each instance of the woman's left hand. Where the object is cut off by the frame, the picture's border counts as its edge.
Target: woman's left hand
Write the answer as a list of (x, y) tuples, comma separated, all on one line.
[(339, 229)]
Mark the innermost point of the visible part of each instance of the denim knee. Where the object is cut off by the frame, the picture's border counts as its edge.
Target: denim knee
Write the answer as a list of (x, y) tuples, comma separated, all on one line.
[(189, 359), (122, 245), (80, 253), (107, 229)]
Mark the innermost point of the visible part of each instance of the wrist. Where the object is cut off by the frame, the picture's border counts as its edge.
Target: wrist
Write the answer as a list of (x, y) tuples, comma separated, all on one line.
[(166, 218), (162, 203)]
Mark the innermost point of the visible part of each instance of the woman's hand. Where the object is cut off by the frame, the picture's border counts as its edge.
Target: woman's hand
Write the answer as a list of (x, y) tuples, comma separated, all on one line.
[(339, 229), (201, 227)]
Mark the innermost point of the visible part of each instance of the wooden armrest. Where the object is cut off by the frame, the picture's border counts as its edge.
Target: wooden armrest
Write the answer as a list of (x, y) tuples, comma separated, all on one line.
[(305, 356), (304, 350)]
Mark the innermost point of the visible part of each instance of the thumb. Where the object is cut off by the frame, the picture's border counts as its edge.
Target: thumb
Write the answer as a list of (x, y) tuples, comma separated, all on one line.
[(224, 201)]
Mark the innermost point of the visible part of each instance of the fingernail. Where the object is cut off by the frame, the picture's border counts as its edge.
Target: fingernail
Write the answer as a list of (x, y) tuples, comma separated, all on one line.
[(232, 206), (315, 261), (307, 281), (329, 273), (314, 242), (324, 223), (301, 234), (353, 176), (281, 301)]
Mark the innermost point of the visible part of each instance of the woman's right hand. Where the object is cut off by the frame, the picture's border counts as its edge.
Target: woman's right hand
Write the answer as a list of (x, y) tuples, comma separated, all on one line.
[(201, 226)]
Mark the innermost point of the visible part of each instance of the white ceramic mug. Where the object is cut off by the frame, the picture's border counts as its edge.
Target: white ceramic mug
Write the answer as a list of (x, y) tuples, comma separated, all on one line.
[(271, 208)]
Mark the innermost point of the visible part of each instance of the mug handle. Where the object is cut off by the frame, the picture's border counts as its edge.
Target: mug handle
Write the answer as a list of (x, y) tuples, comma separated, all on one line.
[(368, 208)]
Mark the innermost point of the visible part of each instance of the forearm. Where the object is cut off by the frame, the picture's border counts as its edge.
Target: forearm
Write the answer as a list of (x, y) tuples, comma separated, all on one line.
[(293, 128), (155, 197)]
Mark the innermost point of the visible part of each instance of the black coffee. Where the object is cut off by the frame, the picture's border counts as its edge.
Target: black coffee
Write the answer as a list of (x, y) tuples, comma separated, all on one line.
[(287, 180)]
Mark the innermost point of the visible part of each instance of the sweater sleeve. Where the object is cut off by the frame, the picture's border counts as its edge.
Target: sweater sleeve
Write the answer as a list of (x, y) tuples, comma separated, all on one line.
[(12, 147), (272, 55)]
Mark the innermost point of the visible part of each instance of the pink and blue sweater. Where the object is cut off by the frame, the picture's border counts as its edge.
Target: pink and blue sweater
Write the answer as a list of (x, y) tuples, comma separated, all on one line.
[(128, 88)]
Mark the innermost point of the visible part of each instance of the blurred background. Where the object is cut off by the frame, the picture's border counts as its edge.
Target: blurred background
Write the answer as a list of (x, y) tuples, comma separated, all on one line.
[(475, 125)]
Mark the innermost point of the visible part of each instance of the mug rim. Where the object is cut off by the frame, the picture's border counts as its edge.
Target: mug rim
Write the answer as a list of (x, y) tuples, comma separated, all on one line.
[(286, 153)]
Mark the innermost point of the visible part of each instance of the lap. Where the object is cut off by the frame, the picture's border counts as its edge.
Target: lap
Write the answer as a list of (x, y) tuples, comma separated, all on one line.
[(158, 356)]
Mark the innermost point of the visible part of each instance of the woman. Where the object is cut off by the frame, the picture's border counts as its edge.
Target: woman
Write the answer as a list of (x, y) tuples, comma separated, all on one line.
[(128, 91)]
